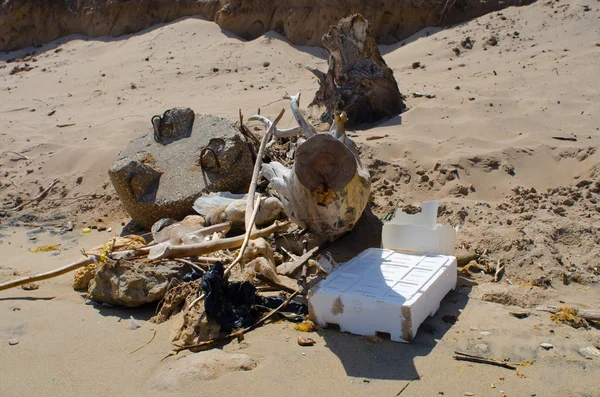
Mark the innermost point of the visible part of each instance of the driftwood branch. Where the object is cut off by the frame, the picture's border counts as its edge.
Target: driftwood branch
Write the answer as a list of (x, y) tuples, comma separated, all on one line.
[(50, 274), (247, 133), (319, 75), (236, 334), (22, 156), (249, 227), (289, 268), (277, 133), (499, 270), (257, 166), (38, 198), (308, 129), (481, 360), (187, 250)]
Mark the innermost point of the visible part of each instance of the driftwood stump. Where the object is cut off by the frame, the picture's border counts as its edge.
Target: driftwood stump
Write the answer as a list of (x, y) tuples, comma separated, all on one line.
[(327, 189), (358, 81)]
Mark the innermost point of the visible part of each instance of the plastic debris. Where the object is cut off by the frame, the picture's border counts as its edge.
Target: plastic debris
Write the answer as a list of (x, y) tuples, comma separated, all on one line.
[(133, 324), (235, 305)]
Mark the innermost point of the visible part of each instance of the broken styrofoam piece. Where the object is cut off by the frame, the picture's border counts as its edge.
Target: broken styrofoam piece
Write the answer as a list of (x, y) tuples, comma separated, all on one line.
[(383, 291), (327, 263), (419, 232)]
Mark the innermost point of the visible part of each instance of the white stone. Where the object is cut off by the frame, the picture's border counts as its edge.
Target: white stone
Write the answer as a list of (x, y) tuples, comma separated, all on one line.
[(547, 346), (589, 351), (383, 291)]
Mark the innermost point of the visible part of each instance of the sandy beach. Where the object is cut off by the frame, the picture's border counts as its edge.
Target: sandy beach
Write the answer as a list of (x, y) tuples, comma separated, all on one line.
[(515, 121)]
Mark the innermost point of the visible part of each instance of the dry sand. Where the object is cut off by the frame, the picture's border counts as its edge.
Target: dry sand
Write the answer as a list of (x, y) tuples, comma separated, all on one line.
[(492, 123)]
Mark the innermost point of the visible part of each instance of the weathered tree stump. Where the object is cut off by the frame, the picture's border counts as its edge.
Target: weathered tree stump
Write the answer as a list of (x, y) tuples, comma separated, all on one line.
[(327, 189), (358, 81)]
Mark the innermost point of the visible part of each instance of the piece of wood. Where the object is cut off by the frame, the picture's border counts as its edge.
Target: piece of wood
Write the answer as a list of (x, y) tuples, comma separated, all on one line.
[(481, 360), (187, 250), (586, 314), (286, 284), (247, 133), (499, 270), (18, 154), (307, 128), (328, 187), (192, 264), (257, 166), (235, 334), (376, 137), (224, 227), (38, 198), (358, 81), (277, 133), (289, 268), (50, 274), (249, 227), (565, 138)]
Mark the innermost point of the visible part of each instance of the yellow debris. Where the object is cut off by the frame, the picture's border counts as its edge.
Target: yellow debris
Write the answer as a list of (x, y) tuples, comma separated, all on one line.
[(306, 326), (568, 315), (46, 248)]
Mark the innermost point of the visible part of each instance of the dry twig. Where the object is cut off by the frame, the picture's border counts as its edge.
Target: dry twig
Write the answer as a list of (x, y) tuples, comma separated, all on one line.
[(50, 274), (481, 360), (38, 198), (18, 154), (499, 270)]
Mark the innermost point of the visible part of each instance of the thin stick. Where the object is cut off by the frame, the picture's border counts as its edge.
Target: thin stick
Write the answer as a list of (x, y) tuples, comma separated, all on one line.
[(18, 154), (404, 388), (47, 275), (247, 133), (257, 166), (38, 198), (290, 132), (249, 227), (192, 264), (498, 270), (188, 250), (233, 335), (308, 129), (292, 256), (481, 360)]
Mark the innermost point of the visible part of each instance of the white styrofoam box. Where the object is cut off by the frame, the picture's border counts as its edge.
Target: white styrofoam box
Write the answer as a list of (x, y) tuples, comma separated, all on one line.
[(419, 232), (385, 291)]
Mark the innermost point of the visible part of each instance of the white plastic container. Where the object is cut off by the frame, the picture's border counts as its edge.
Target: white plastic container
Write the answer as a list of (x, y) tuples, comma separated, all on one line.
[(383, 291), (419, 232)]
